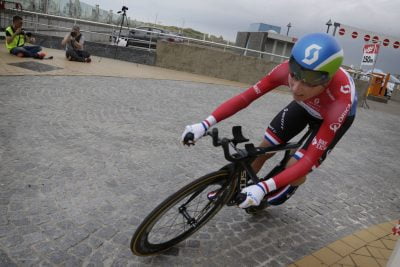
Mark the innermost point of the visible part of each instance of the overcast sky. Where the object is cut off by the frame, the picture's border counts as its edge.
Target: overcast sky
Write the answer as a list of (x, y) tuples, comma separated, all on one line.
[(227, 17)]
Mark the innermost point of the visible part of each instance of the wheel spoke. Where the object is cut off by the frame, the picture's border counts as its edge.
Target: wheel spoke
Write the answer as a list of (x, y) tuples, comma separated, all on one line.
[(205, 209), (169, 224), (176, 218), (196, 208)]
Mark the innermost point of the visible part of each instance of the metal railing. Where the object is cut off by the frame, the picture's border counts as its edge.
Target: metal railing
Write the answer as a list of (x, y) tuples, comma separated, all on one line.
[(116, 28)]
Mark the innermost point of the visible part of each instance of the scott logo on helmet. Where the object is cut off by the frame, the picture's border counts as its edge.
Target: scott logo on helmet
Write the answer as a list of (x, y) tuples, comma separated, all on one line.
[(314, 48)]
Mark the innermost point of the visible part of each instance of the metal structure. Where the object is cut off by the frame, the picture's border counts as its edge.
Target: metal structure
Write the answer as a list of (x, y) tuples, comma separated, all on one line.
[(329, 24), (288, 28), (36, 22)]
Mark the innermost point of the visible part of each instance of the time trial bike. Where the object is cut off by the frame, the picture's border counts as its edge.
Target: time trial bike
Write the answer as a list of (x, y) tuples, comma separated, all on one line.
[(191, 207)]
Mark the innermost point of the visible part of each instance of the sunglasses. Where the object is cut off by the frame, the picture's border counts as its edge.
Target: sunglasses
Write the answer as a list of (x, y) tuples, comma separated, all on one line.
[(309, 77)]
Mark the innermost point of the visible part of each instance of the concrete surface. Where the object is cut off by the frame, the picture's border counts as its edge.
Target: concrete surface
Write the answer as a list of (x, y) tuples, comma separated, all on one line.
[(85, 158)]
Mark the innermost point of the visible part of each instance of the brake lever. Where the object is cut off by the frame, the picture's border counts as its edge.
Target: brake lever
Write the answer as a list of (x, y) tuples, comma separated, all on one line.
[(240, 198), (214, 134)]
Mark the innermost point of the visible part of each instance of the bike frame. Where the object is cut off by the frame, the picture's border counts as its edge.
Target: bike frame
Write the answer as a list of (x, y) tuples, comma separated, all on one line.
[(240, 170), (230, 181)]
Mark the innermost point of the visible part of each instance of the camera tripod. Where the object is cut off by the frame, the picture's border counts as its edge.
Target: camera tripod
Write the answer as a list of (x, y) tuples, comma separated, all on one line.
[(124, 18)]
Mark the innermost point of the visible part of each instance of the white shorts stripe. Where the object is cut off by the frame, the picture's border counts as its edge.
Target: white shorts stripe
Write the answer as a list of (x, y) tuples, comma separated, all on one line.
[(271, 139), (298, 154), (280, 194)]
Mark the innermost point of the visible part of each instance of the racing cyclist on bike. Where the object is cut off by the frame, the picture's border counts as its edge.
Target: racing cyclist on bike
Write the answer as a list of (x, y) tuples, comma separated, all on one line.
[(324, 98)]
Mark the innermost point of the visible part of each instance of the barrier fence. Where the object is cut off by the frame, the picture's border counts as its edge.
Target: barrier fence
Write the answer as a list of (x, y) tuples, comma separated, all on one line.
[(109, 33)]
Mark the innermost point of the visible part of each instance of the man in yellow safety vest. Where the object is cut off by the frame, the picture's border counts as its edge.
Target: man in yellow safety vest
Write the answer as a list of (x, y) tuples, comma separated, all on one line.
[(16, 38)]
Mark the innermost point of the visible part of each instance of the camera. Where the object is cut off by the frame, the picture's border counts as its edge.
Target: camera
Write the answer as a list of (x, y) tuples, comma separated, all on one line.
[(28, 34), (124, 9), (73, 34)]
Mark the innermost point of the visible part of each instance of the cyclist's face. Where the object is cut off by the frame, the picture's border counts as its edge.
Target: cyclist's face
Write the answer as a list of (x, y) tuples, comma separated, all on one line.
[(302, 91)]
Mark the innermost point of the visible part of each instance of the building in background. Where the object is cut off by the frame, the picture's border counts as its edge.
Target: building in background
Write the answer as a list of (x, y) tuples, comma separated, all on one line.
[(266, 38), (263, 27)]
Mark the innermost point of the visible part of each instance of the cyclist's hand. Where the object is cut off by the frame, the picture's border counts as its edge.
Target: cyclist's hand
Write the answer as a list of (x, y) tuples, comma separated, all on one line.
[(255, 194), (198, 130)]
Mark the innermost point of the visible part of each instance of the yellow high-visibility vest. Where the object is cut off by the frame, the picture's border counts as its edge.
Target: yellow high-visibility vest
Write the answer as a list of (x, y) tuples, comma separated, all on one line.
[(19, 40)]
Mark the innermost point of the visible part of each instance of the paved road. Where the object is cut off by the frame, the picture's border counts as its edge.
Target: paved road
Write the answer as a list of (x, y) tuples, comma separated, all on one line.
[(84, 159)]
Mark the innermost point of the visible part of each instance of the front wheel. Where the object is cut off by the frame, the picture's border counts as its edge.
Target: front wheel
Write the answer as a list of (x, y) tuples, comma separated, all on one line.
[(182, 214)]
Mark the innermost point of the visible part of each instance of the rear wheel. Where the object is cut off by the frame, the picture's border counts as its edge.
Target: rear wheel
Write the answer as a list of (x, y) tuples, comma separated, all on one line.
[(182, 214)]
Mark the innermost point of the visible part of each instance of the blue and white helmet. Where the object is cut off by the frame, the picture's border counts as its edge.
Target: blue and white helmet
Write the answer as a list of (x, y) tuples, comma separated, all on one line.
[(319, 52)]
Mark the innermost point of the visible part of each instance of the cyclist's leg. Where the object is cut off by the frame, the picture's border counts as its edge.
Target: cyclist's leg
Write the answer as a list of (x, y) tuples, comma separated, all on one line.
[(283, 194), (301, 118), (289, 122), (259, 161)]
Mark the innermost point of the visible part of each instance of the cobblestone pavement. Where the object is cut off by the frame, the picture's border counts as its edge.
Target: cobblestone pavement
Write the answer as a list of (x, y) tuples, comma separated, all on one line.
[(84, 159)]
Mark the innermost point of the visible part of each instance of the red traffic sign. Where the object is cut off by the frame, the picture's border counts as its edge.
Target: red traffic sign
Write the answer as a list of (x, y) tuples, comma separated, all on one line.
[(386, 42), (354, 34), (375, 39), (396, 44), (371, 49), (342, 31), (367, 37)]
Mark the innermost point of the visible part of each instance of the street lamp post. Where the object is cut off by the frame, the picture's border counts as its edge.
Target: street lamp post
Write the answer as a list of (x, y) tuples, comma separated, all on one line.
[(335, 26), (288, 28), (329, 24)]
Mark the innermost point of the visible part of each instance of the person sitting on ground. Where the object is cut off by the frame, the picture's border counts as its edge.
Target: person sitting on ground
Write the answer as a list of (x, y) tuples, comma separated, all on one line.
[(16, 38), (74, 41)]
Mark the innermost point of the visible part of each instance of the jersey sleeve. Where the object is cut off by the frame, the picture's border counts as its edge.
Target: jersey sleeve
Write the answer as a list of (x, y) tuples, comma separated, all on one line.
[(336, 115), (278, 76)]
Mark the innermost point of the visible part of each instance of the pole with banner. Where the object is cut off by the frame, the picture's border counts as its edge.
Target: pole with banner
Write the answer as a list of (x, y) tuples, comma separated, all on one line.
[(370, 56)]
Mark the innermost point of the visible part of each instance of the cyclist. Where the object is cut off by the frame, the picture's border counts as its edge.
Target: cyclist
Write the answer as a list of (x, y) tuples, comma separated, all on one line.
[(324, 98)]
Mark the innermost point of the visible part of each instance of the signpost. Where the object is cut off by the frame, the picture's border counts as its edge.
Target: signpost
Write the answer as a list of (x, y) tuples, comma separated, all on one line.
[(370, 55), (369, 58)]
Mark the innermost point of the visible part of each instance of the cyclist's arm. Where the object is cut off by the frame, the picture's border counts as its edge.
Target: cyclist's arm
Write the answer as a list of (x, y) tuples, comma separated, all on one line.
[(336, 114), (278, 76)]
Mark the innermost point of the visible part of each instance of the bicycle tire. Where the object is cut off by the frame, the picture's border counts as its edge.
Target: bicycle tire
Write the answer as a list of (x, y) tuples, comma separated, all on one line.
[(140, 244)]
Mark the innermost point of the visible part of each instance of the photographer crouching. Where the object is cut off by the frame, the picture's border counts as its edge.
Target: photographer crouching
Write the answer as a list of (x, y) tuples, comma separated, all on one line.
[(16, 38), (74, 41)]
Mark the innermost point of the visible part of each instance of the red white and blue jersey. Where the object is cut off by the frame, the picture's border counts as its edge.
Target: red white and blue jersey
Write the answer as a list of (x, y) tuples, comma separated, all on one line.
[(332, 106)]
